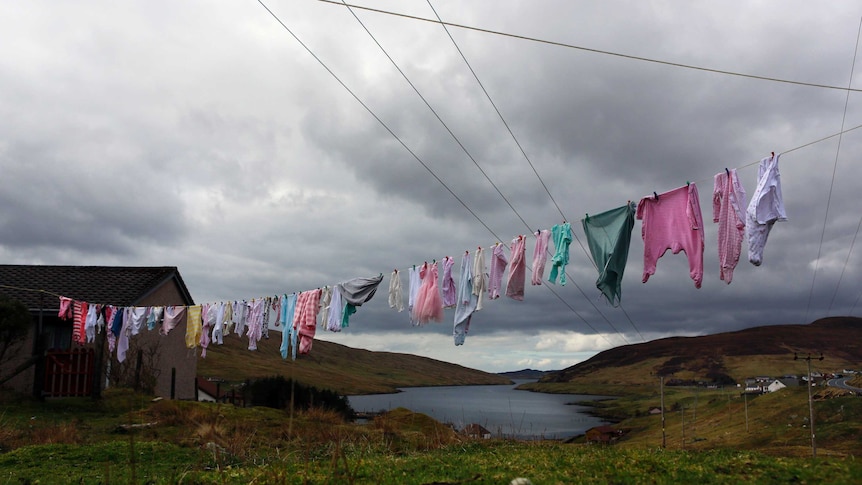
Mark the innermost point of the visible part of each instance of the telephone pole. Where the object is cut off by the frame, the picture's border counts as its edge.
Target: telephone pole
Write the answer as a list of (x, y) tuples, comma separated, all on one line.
[(810, 400), (661, 386)]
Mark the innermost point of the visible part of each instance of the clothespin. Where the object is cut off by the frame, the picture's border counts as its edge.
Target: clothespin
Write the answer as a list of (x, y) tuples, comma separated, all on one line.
[(395, 271), (727, 170), (587, 218), (466, 252), (687, 183), (655, 194), (773, 154)]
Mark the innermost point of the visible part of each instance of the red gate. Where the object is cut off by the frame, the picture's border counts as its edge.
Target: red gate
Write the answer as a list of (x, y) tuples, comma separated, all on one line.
[(69, 373)]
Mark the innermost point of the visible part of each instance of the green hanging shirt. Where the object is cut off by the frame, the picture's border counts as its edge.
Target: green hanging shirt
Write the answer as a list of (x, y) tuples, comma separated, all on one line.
[(609, 236)]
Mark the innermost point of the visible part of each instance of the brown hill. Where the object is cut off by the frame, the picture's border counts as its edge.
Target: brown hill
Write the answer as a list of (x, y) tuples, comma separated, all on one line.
[(729, 356), (337, 367)]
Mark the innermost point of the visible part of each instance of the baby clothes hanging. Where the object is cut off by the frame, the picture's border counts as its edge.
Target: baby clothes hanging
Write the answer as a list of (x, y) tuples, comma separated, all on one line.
[(396, 300), (467, 301), (728, 199), (765, 208), (218, 328), (240, 316), (305, 320), (154, 317), (90, 322), (336, 310), (562, 236), (428, 305), (673, 220), (480, 277), (413, 284), (228, 318), (139, 318), (210, 314), (517, 270), (448, 285), (540, 256), (123, 337), (288, 333), (79, 316), (609, 237), (173, 316), (254, 322), (193, 326), (498, 267), (65, 308), (325, 300)]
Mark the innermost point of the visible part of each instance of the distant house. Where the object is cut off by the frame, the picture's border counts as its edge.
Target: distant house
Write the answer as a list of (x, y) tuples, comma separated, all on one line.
[(654, 410), (47, 355), (775, 385), (603, 434), (214, 390), (476, 431)]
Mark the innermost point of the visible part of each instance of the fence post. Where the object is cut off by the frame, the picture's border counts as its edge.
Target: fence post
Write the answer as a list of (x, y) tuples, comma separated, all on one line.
[(138, 364)]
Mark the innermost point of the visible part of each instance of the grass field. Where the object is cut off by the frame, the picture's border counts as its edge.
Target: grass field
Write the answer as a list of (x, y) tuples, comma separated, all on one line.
[(127, 438)]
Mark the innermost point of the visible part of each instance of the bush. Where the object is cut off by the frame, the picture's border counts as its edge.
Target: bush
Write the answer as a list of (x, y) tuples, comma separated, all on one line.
[(275, 392)]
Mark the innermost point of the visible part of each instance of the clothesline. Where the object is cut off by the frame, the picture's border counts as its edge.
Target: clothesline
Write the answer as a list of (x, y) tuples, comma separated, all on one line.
[(678, 209)]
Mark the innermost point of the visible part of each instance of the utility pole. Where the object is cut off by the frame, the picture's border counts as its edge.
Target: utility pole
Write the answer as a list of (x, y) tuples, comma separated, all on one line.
[(810, 401), (683, 427), (661, 387)]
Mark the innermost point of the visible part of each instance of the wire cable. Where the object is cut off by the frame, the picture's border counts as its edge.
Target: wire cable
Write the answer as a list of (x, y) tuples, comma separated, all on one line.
[(470, 156), (596, 51), (415, 156), (853, 243), (832, 185)]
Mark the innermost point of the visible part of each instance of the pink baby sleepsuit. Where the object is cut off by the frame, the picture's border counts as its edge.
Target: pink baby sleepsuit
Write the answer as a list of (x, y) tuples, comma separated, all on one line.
[(540, 255), (517, 270), (728, 199), (498, 267), (447, 286), (673, 220)]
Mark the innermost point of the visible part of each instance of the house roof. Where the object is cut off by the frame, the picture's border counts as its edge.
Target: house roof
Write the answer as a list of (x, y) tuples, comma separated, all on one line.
[(474, 428), (114, 285)]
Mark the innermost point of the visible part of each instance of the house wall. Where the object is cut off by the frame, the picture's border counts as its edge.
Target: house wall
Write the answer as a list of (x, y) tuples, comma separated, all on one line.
[(172, 352), (172, 348), (23, 382)]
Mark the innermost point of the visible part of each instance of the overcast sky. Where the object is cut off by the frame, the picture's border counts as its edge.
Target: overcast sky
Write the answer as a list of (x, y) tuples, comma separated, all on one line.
[(203, 135)]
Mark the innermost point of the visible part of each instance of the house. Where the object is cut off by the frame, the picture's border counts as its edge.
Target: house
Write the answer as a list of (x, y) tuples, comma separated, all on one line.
[(476, 431), (654, 410), (162, 364), (603, 434), (775, 385), (216, 390)]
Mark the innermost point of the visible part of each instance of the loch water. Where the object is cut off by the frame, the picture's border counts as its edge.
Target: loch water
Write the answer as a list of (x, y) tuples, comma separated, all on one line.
[(502, 410)]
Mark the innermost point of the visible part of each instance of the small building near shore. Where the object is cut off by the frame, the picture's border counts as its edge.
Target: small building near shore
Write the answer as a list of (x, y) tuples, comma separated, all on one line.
[(474, 430)]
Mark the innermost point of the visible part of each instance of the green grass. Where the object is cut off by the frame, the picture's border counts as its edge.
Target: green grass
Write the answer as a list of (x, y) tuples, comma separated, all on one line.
[(82, 441)]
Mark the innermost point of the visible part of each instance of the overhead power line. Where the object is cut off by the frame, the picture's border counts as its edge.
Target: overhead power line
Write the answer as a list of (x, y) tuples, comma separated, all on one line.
[(419, 160), (596, 51)]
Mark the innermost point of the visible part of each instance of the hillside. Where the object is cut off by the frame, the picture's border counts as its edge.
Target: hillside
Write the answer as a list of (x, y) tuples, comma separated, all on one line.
[(337, 367), (723, 357)]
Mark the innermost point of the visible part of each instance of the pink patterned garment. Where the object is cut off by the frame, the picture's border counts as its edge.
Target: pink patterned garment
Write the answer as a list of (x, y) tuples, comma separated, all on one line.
[(448, 285), (728, 202), (428, 305), (517, 270), (79, 314), (673, 220), (305, 318)]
